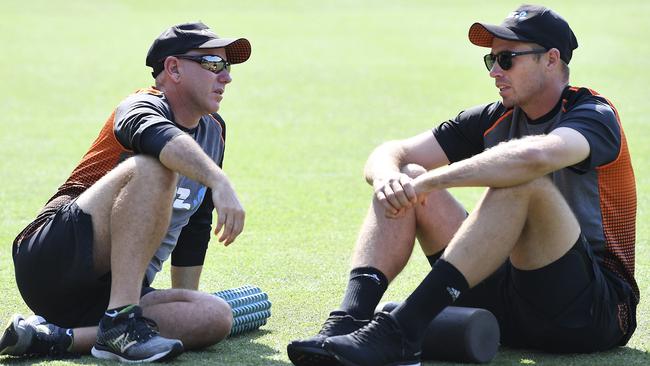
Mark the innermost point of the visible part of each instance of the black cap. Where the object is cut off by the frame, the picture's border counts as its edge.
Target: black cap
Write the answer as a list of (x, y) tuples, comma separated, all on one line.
[(529, 23), (181, 38)]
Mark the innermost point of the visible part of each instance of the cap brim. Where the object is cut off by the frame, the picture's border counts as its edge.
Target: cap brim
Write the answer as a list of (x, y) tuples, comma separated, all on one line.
[(238, 50), (483, 34)]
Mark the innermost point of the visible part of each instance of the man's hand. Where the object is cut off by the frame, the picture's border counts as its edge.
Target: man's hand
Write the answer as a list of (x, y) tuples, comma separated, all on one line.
[(396, 194), (230, 213), (183, 155)]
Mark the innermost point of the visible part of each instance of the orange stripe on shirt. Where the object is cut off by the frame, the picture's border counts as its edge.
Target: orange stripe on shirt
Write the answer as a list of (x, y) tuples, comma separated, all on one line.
[(497, 123)]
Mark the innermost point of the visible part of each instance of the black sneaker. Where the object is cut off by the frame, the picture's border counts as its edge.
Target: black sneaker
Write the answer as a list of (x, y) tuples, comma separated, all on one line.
[(380, 343), (130, 337), (35, 337), (310, 352)]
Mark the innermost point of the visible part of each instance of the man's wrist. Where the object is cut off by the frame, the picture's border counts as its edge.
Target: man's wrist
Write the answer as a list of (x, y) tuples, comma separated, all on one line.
[(424, 183), (217, 180)]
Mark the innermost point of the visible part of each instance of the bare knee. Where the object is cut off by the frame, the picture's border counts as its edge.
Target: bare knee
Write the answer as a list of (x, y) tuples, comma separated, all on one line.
[(197, 318), (140, 176), (413, 170), (151, 170), (218, 319), (438, 220), (215, 317)]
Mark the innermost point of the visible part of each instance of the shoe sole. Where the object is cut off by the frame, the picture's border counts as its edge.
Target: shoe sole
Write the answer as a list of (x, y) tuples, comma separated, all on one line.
[(345, 362), (10, 338), (310, 356), (107, 354)]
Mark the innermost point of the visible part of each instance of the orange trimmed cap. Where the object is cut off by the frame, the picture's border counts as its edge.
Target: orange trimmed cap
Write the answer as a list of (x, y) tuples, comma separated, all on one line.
[(181, 38), (529, 23)]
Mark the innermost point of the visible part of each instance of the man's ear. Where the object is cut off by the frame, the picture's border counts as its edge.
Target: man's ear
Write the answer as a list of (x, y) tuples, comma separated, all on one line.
[(554, 59), (172, 68)]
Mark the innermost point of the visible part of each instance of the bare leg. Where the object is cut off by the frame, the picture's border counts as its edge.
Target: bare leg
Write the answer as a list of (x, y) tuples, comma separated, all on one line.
[(84, 338), (196, 318), (387, 244), (530, 223), (186, 277), (130, 209), (384, 244)]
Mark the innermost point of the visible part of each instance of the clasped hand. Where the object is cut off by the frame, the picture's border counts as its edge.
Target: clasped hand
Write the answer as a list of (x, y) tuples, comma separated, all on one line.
[(396, 194)]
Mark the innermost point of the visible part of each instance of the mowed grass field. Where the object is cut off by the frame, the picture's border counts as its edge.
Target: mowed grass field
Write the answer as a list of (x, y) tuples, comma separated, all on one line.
[(327, 82)]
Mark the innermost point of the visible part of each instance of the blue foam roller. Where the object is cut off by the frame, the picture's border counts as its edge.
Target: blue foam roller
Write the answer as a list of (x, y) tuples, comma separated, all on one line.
[(250, 307)]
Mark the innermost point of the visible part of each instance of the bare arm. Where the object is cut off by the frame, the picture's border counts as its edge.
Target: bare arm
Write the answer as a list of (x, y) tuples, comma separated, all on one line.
[(392, 188), (183, 155), (390, 157), (510, 163)]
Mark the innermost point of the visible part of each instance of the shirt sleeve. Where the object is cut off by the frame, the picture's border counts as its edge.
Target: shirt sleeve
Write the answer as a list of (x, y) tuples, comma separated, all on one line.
[(193, 240), (597, 122), (143, 123), (462, 137)]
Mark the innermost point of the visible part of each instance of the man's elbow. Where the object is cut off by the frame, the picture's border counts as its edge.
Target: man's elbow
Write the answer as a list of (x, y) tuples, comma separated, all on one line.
[(539, 161)]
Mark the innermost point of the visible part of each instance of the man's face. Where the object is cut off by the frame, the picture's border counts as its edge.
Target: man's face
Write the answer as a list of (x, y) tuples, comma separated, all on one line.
[(203, 88), (519, 84)]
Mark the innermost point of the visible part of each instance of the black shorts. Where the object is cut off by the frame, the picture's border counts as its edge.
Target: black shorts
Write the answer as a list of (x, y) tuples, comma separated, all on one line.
[(54, 270), (570, 305)]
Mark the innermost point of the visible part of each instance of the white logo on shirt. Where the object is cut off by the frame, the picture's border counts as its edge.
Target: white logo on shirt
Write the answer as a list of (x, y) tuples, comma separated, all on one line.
[(180, 203)]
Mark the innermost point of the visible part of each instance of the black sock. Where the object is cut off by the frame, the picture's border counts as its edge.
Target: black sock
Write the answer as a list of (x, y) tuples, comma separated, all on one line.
[(365, 288), (68, 339), (64, 339), (440, 288), (51, 340), (434, 257), (112, 313)]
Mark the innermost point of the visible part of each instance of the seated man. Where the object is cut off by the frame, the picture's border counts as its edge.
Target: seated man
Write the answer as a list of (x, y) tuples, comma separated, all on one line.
[(549, 248), (145, 190)]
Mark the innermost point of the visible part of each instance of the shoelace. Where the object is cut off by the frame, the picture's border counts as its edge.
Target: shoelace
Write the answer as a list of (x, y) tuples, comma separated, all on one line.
[(46, 343), (142, 328), (375, 332), (330, 324)]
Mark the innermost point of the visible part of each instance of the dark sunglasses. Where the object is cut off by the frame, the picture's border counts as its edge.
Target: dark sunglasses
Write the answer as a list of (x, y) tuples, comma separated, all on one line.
[(504, 58), (209, 62)]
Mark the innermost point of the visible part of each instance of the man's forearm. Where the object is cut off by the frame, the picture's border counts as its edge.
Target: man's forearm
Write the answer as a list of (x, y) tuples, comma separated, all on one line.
[(183, 155), (505, 165)]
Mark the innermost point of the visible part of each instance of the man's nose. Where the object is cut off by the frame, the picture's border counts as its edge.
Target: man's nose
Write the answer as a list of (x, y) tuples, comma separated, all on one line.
[(496, 71), (224, 76)]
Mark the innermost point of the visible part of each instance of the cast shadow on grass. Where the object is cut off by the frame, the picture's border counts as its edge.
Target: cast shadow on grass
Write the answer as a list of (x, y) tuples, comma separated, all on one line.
[(509, 356), (78, 360), (244, 350), (241, 350)]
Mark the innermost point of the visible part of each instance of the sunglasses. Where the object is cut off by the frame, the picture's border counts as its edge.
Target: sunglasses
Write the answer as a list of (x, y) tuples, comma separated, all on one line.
[(209, 62), (504, 58)]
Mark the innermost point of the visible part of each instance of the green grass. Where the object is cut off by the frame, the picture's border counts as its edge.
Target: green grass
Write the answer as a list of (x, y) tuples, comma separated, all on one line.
[(326, 83)]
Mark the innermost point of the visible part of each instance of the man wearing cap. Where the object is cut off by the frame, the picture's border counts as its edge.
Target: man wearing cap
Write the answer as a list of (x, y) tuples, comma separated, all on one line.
[(143, 192), (549, 248)]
